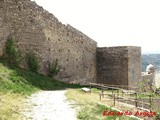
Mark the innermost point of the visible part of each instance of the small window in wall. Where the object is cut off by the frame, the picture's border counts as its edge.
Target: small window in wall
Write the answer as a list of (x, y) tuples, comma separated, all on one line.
[(77, 67), (67, 34), (68, 50), (82, 42), (67, 59), (49, 49), (67, 40), (83, 50), (76, 59), (64, 68), (31, 21), (59, 50), (49, 38), (59, 40)]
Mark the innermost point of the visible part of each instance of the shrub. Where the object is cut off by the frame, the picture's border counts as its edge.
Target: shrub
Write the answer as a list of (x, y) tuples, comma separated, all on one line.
[(13, 55), (32, 62), (53, 68)]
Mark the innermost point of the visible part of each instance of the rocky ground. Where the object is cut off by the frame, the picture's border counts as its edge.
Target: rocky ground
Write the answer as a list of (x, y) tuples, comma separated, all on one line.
[(48, 105)]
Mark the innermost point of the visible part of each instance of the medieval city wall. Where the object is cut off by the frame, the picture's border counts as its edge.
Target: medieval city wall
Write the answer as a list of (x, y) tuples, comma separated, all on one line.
[(134, 66), (119, 65), (35, 29)]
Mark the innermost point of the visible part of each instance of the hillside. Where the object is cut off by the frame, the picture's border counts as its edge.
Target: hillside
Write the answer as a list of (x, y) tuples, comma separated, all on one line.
[(150, 59), (16, 84)]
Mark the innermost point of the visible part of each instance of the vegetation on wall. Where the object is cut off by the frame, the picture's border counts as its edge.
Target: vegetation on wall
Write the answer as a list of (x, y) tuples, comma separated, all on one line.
[(16, 84), (13, 55), (53, 68), (33, 62)]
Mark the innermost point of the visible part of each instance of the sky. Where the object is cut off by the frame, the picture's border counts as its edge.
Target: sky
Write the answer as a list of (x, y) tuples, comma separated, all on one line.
[(112, 22)]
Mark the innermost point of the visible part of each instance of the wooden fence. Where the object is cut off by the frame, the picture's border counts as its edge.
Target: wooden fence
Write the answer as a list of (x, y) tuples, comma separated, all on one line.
[(129, 95)]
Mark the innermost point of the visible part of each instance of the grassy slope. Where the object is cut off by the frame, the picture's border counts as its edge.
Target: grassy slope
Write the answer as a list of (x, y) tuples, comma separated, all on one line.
[(17, 83), (89, 108)]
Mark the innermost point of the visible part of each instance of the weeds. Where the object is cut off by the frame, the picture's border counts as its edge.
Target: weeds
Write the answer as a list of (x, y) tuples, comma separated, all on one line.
[(53, 68), (13, 55), (33, 62)]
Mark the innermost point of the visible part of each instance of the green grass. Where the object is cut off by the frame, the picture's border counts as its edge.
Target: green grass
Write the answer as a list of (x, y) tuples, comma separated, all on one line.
[(90, 109), (25, 82), (16, 84)]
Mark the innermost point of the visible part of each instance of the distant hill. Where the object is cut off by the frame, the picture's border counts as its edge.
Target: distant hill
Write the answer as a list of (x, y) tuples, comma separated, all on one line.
[(150, 59)]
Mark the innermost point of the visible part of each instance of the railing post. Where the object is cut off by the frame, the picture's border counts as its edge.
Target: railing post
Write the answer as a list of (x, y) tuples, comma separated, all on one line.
[(102, 93), (90, 87), (150, 101), (100, 96), (136, 100), (114, 100), (118, 95)]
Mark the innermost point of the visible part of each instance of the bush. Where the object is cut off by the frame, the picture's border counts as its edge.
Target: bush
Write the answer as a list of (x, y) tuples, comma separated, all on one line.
[(53, 68), (32, 62), (13, 56)]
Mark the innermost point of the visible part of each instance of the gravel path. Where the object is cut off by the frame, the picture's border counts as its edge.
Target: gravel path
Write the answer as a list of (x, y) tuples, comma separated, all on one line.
[(49, 105)]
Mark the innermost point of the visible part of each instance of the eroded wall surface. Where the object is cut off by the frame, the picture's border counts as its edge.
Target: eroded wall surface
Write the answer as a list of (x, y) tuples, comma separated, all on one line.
[(134, 66), (119, 65), (34, 29)]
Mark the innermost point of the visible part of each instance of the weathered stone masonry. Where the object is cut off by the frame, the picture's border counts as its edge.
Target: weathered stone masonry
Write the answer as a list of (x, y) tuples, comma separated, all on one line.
[(35, 29), (119, 65)]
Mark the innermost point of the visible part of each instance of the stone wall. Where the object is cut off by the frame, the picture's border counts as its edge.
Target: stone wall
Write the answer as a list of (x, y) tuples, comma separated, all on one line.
[(134, 65), (35, 29), (119, 65)]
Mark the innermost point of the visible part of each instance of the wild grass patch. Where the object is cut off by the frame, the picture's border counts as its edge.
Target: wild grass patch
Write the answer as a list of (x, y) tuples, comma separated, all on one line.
[(16, 84), (89, 107), (9, 106)]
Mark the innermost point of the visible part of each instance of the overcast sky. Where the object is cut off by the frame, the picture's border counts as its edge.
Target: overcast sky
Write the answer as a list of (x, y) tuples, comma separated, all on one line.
[(112, 22)]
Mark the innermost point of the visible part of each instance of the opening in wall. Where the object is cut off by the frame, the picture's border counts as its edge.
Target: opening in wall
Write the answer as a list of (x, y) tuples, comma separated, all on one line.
[(49, 49), (67, 59), (76, 59), (59, 40), (68, 50)]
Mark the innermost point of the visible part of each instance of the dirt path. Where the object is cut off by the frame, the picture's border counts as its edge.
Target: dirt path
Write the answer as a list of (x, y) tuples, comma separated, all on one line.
[(49, 105)]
